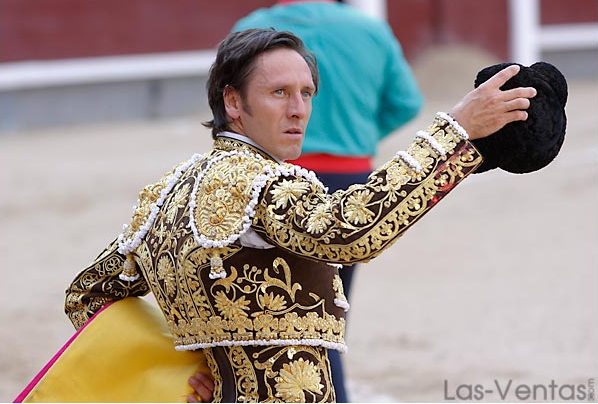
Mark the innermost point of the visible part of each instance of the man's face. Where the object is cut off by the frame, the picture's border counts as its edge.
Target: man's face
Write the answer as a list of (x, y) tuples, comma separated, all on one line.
[(277, 104)]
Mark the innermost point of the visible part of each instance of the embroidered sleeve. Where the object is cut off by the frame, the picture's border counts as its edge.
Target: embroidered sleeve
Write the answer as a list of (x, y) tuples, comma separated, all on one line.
[(357, 224), (99, 284)]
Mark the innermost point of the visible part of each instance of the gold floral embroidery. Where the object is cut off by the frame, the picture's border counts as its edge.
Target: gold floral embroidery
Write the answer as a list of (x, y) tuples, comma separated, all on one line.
[(266, 326), (247, 381), (398, 175), (337, 285), (294, 373), (280, 266), (339, 293), (271, 290), (287, 192), (296, 378), (272, 302), (165, 272), (422, 153), (211, 361), (232, 309), (447, 138), (319, 219), (223, 194), (161, 233), (178, 201), (146, 201), (289, 326), (356, 210)]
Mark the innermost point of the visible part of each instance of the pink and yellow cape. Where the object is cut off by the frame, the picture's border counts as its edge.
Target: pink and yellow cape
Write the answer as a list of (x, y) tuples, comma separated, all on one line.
[(124, 353)]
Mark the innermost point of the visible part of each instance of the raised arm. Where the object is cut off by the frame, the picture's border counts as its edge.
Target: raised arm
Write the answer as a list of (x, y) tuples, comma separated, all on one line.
[(357, 224)]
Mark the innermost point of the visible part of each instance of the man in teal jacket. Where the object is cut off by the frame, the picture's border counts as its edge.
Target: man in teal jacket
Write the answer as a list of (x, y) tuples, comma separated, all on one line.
[(367, 91)]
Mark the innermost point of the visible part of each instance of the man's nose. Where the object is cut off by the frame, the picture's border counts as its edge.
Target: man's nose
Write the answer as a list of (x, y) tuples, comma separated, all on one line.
[(297, 106)]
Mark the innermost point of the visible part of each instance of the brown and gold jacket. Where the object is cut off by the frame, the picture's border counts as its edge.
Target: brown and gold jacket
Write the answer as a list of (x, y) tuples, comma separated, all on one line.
[(239, 249)]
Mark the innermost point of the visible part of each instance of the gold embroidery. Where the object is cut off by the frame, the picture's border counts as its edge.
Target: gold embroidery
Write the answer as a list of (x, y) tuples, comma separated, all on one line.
[(295, 373), (246, 378), (217, 394), (285, 284), (99, 284), (356, 210), (232, 310), (147, 200), (178, 201), (272, 374), (268, 301), (356, 225), (337, 286), (273, 291), (320, 218), (223, 195), (165, 273), (296, 378), (271, 301), (397, 175), (287, 192), (223, 143), (423, 154)]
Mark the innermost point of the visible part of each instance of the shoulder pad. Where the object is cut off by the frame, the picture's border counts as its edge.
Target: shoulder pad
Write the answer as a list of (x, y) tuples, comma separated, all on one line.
[(224, 196)]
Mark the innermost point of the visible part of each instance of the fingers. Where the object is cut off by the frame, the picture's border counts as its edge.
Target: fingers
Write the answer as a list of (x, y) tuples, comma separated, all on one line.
[(192, 399), (514, 98), (517, 103), (500, 78), (206, 381), (518, 99), (520, 92), (516, 115), (203, 386)]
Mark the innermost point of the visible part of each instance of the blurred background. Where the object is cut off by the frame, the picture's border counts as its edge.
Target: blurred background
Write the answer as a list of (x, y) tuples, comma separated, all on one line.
[(499, 283)]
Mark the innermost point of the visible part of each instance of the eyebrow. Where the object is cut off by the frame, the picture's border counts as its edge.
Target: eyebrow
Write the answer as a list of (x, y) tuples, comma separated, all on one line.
[(282, 84)]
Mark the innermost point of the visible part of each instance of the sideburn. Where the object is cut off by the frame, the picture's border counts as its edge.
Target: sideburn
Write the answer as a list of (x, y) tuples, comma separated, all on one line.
[(246, 106)]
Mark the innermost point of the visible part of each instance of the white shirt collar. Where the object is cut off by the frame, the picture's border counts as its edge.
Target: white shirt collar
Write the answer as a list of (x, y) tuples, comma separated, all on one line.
[(245, 139)]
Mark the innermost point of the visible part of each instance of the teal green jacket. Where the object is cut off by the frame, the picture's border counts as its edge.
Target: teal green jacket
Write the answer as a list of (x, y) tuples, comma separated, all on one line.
[(367, 89)]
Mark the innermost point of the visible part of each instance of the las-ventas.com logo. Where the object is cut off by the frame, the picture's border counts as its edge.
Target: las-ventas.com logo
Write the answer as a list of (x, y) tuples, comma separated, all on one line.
[(508, 390)]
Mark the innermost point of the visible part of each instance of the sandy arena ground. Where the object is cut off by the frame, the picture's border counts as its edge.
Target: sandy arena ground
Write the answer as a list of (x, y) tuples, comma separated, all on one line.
[(497, 284)]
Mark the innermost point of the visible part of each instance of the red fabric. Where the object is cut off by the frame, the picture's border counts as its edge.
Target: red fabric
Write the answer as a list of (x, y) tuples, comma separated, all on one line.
[(301, 1), (328, 163)]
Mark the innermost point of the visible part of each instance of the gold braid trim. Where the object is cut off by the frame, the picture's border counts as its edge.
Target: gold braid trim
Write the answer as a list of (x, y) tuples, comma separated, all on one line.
[(291, 327)]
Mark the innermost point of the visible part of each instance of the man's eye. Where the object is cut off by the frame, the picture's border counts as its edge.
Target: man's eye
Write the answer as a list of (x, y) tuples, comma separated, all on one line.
[(308, 94), (280, 91)]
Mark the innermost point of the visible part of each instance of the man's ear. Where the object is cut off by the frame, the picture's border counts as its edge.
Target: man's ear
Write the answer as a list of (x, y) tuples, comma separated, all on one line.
[(232, 102)]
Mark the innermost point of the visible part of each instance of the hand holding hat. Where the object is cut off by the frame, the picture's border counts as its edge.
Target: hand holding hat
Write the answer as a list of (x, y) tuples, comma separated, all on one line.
[(523, 146)]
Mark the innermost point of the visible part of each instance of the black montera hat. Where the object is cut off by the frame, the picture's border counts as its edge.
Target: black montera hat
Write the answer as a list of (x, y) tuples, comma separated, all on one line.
[(526, 146)]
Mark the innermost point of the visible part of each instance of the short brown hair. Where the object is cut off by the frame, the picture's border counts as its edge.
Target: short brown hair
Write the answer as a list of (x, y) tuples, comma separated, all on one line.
[(235, 62)]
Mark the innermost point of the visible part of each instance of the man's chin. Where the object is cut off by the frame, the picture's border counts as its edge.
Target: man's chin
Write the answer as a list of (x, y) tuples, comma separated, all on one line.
[(294, 156), (292, 153)]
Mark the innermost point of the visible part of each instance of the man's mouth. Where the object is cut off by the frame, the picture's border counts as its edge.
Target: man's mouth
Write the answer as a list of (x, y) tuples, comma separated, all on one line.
[(294, 131)]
